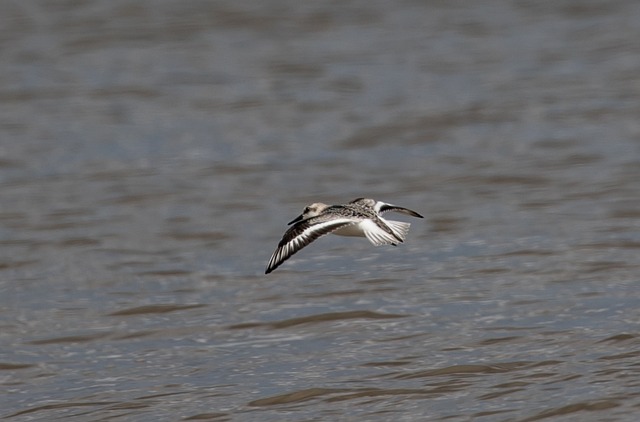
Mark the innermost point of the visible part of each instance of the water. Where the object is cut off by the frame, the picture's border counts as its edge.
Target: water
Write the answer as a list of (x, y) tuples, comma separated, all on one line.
[(151, 154)]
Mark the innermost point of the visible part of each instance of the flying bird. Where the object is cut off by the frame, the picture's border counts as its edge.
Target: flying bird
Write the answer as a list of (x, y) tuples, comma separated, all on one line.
[(361, 217)]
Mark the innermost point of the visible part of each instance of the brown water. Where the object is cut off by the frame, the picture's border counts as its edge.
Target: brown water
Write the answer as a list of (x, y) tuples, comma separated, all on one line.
[(151, 153)]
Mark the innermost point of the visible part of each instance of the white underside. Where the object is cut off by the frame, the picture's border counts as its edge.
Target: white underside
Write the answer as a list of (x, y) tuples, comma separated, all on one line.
[(350, 230)]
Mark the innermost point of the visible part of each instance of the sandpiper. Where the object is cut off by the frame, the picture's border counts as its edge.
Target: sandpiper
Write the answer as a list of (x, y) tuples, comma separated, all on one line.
[(361, 217)]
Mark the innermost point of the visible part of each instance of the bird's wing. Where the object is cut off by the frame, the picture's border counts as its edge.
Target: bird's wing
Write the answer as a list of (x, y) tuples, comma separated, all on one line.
[(302, 234), (382, 207)]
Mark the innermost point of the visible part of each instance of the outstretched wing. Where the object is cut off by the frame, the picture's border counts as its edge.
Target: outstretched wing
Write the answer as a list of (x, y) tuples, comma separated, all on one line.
[(382, 207), (301, 234)]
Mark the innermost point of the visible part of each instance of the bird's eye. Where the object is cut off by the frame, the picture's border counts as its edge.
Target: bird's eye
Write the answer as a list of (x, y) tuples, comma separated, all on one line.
[(306, 209)]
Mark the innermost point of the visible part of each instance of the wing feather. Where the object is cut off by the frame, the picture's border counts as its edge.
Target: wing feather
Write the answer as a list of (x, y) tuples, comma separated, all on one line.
[(302, 234), (381, 207), (377, 235)]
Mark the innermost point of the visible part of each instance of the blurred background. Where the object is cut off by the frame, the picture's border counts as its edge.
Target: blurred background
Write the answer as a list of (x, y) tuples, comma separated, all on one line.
[(152, 152)]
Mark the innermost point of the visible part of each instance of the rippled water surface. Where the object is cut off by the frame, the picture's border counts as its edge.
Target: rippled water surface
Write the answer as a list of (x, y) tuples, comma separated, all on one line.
[(151, 153)]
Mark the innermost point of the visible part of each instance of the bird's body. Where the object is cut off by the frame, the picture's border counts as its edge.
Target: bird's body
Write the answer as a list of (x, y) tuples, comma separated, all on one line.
[(360, 217)]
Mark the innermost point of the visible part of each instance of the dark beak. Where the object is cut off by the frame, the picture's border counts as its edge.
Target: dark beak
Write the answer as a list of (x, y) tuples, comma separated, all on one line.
[(295, 220)]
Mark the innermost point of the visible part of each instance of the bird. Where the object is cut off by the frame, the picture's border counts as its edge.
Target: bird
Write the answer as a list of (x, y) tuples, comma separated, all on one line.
[(361, 217)]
